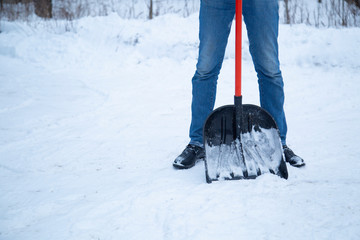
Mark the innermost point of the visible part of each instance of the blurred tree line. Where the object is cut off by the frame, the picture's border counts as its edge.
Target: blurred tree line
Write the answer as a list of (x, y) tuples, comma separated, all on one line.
[(320, 13)]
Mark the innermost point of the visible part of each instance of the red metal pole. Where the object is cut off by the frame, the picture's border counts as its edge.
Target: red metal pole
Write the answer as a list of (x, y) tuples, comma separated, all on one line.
[(238, 40)]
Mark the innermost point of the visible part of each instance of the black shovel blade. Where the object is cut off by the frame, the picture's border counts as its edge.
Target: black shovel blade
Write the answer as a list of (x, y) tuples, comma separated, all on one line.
[(258, 150)]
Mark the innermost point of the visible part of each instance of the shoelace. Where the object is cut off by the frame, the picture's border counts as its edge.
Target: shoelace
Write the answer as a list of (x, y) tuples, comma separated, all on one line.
[(194, 148)]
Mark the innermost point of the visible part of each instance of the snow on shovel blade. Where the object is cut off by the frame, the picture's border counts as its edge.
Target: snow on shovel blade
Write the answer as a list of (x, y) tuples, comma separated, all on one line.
[(257, 151)]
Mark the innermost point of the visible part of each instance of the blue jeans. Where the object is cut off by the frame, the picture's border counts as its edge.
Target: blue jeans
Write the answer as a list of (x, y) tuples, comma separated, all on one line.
[(262, 21)]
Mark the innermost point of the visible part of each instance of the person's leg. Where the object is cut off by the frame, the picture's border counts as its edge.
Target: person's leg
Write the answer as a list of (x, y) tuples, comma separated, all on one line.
[(215, 18), (262, 21), (215, 23)]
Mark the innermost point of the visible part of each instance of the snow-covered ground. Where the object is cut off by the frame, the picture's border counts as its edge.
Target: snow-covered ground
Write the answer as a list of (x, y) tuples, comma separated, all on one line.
[(92, 118)]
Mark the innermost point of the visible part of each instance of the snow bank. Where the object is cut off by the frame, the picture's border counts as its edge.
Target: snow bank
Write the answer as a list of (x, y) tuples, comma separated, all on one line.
[(92, 115)]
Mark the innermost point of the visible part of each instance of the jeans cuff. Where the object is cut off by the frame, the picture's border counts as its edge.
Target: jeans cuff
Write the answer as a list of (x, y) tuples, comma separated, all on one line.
[(196, 143)]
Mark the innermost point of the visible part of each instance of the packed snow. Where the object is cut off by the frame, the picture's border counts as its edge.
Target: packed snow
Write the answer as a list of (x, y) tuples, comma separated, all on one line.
[(254, 153), (94, 111)]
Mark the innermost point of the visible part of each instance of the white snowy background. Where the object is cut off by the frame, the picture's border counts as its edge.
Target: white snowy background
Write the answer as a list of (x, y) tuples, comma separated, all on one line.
[(92, 115)]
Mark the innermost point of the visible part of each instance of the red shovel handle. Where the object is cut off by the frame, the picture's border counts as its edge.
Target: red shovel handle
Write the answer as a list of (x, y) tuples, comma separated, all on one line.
[(238, 32)]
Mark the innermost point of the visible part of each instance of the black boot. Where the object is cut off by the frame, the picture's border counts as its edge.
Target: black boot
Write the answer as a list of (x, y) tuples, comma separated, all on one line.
[(189, 156), (292, 158)]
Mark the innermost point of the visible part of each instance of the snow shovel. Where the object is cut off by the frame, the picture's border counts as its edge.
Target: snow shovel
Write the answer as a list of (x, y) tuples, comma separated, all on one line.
[(241, 141)]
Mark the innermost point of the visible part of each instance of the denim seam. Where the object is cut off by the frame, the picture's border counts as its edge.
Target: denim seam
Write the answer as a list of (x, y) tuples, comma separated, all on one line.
[(261, 92)]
